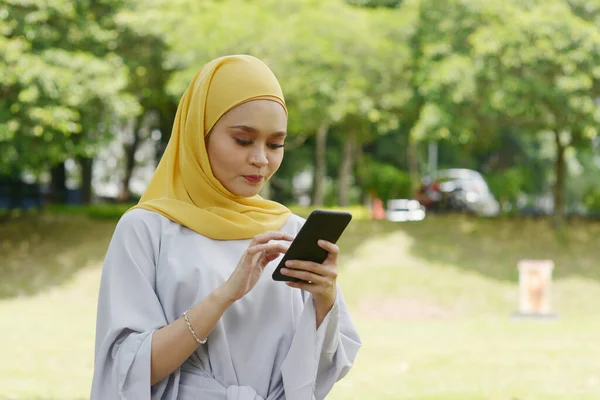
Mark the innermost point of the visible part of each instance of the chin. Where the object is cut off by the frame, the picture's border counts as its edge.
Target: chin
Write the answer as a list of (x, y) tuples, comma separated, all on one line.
[(247, 191)]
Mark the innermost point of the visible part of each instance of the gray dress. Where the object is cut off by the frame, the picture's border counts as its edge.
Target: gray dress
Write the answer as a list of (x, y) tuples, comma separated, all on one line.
[(265, 346)]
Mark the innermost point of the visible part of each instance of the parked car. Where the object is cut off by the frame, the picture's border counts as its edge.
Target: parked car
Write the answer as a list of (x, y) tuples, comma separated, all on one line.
[(457, 189), (401, 210)]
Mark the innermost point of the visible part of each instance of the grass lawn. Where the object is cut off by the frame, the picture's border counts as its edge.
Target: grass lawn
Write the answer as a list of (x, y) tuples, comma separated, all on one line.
[(432, 302)]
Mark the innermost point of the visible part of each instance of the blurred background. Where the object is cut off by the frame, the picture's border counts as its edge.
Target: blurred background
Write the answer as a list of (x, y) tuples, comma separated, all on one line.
[(461, 134)]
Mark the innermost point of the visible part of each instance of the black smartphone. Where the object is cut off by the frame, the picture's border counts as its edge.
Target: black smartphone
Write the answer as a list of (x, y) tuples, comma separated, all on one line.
[(320, 225)]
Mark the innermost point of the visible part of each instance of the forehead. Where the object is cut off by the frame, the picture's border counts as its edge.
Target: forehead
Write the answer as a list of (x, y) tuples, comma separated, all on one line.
[(260, 114)]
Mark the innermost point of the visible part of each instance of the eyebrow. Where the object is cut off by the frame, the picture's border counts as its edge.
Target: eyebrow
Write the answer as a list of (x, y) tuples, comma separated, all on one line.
[(250, 129)]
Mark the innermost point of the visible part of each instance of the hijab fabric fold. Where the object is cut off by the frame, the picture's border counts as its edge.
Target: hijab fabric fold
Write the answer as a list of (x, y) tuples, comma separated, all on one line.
[(183, 187)]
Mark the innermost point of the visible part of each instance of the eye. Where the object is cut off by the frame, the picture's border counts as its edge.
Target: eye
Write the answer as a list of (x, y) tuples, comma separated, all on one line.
[(275, 146), (243, 142)]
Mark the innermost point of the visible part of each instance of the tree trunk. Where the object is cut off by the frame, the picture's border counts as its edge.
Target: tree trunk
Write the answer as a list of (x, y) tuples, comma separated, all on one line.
[(167, 119), (86, 164), (345, 172), (413, 168), (416, 43), (14, 190), (559, 184), (130, 149), (320, 170), (58, 184)]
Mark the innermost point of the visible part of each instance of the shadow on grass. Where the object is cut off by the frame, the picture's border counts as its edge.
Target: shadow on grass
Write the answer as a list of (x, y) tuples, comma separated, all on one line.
[(43, 251), (39, 252), (492, 247)]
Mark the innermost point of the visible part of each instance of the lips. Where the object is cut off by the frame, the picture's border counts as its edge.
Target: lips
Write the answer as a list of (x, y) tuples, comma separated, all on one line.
[(253, 179)]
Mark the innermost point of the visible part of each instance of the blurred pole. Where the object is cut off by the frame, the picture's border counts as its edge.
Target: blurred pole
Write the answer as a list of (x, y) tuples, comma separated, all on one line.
[(432, 157)]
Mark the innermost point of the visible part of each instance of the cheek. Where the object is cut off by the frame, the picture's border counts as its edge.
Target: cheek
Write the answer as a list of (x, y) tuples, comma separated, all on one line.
[(275, 161), (221, 158)]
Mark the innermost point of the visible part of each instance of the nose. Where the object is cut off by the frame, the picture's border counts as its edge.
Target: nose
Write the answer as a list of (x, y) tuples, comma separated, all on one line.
[(258, 157)]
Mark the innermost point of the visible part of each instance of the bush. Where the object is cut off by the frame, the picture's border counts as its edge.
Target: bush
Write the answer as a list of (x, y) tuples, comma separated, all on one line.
[(507, 185), (108, 211), (96, 211), (358, 212), (592, 200), (66, 209), (385, 181)]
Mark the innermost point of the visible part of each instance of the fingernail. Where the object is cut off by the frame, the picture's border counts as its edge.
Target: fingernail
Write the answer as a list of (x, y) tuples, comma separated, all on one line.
[(289, 263), (284, 270)]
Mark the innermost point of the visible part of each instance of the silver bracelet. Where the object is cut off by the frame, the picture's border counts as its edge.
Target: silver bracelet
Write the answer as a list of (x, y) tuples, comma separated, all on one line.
[(187, 321)]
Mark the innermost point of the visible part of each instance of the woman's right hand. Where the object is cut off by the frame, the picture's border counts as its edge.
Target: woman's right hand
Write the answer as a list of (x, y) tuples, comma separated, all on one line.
[(254, 260)]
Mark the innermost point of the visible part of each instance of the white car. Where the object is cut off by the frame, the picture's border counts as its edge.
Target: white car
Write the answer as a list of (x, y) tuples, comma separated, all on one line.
[(401, 210), (467, 189)]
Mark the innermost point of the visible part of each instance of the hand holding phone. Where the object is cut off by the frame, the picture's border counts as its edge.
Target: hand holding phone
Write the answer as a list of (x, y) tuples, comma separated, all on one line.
[(320, 225)]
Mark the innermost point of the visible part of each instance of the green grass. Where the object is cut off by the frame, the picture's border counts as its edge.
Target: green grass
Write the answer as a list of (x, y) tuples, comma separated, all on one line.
[(432, 302), (42, 252)]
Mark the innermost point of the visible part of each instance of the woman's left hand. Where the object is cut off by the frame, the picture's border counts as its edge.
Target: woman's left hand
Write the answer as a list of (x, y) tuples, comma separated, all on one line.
[(318, 279)]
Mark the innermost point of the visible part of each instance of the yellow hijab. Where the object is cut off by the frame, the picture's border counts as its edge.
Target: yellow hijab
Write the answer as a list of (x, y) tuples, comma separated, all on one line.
[(183, 187)]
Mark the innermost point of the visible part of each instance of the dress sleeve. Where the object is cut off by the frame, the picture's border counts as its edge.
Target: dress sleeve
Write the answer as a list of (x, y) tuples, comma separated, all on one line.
[(339, 349), (319, 358), (129, 312)]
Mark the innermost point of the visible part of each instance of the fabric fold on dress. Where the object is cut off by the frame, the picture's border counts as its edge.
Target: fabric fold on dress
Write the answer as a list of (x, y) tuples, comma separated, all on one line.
[(197, 386), (311, 367)]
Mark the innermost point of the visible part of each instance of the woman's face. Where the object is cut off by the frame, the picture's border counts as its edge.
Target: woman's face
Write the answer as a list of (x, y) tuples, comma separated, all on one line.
[(245, 147)]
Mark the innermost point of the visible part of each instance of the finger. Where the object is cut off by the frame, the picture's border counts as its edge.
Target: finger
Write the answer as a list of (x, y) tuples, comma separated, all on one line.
[(262, 258), (308, 287), (276, 248), (271, 248), (306, 276), (332, 249), (271, 257), (259, 259), (268, 259), (329, 270), (271, 235)]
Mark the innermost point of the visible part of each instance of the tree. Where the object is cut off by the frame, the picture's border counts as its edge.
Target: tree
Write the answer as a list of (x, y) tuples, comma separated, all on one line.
[(539, 70), (145, 56), (333, 57), (319, 50), (61, 84)]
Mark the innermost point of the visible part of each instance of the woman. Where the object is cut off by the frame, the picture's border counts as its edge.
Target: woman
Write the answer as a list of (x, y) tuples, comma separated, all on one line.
[(187, 308)]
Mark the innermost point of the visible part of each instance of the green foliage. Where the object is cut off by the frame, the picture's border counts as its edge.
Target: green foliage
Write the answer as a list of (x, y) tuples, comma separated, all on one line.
[(95, 211), (358, 212), (61, 83), (375, 3), (383, 180), (108, 211), (544, 78), (472, 74), (508, 184), (592, 200)]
